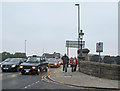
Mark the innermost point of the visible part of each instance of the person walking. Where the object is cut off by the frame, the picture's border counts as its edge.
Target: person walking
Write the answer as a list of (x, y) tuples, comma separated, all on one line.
[(73, 64), (65, 60), (76, 63)]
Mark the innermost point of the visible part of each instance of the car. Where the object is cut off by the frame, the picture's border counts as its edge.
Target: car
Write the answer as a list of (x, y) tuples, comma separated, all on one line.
[(6, 60), (34, 65), (12, 64), (60, 61), (53, 62)]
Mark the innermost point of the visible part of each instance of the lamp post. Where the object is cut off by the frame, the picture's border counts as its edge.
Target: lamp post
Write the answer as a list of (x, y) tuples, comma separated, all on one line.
[(80, 33), (25, 47), (78, 24), (81, 38)]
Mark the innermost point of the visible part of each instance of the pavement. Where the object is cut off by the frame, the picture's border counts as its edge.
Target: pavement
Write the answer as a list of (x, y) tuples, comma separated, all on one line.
[(80, 79)]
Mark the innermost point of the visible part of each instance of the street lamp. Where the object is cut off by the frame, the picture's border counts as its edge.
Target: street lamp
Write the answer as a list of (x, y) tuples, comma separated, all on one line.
[(78, 25), (81, 38)]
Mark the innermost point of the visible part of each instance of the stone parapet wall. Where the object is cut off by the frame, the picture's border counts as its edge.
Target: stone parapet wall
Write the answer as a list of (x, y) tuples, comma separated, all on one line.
[(110, 71)]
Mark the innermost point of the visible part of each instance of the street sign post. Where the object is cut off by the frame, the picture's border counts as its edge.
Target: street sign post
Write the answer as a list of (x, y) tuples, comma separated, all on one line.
[(74, 44), (99, 48)]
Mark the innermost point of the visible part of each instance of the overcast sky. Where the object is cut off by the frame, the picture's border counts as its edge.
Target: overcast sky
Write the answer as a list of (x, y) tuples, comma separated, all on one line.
[(48, 25)]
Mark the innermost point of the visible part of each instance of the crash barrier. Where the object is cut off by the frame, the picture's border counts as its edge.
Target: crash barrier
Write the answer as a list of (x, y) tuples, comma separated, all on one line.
[(102, 70)]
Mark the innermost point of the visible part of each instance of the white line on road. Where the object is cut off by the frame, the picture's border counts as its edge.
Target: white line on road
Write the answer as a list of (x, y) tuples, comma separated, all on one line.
[(31, 84)]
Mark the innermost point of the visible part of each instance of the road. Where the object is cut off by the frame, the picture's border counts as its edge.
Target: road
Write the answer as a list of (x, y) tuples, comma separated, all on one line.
[(14, 80)]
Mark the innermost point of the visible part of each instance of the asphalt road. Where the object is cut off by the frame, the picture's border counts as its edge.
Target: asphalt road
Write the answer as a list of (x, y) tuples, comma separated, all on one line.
[(14, 80)]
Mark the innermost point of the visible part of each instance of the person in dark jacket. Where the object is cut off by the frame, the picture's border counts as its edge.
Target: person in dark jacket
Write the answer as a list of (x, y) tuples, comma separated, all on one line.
[(65, 60)]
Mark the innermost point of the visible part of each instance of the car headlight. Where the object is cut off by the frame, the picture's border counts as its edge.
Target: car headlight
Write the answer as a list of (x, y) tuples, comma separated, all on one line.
[(55, 63), (59, 62), (1, 66), (21, 67), (13, 65), (33, 67)]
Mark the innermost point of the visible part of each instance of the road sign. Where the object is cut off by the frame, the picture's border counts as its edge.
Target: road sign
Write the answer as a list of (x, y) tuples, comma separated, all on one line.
[(99, 47), (74, 44)]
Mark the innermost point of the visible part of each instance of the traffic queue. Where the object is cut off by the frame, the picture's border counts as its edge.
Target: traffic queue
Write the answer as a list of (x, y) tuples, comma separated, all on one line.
[(33, 64)]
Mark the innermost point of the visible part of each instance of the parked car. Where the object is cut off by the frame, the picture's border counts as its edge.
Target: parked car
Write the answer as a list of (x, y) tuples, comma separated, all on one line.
[(53, 62), (34, 65), (60, 61), (12, 64)]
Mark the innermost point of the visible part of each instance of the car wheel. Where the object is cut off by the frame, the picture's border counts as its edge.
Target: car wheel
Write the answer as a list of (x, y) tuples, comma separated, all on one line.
[(23, 73), (46, 69), (38, 72), (17, 69)]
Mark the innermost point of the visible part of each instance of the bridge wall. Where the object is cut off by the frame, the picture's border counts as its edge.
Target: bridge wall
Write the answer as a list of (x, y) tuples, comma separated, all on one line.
[(110, 71)]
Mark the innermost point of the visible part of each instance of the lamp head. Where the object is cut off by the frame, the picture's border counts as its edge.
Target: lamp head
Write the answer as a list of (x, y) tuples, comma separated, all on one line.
[(76, 4)]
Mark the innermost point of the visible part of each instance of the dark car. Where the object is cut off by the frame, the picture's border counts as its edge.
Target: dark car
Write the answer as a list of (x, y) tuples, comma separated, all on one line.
[(12, 64), (34, 65), (6, 60), (53, 63)]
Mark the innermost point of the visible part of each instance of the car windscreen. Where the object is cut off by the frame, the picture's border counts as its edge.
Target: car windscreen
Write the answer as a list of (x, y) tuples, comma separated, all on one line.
[(33, 60), (7, 60), (14, 60)]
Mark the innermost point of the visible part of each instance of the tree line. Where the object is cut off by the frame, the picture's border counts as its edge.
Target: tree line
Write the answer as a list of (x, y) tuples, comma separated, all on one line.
[(5, 55)]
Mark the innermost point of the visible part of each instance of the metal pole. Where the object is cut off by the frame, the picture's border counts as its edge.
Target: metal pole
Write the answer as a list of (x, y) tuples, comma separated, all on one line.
[(99, 57), (68, 51), (81, 49), (99, 65), (25, 46), (78, 27)]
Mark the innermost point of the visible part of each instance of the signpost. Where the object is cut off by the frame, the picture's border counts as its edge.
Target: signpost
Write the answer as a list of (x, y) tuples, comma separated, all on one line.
[(99, 48), (73, 44)]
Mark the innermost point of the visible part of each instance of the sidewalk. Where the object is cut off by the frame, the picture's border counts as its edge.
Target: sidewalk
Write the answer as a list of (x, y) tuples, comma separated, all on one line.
[(81, 79)]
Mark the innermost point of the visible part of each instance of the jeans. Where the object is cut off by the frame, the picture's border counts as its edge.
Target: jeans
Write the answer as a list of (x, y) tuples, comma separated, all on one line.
[(65, 67), (73, 68)]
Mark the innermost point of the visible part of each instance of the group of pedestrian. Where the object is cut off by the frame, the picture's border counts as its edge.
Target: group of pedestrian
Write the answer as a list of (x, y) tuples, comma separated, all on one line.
[(73, 63)]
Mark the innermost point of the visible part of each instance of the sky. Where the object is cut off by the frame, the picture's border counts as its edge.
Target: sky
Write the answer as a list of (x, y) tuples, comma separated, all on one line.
[(47, 25)]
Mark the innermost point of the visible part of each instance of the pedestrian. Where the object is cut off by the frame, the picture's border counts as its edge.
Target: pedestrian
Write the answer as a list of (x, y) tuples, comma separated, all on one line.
[(65, 60), (76, 63), (67, 63), (73, 64), (71, 61)]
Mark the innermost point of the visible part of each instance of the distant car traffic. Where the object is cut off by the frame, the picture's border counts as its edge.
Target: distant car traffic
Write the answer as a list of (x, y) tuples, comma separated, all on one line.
[(53, 62), (11, 64), (60, 61), (34, 65)]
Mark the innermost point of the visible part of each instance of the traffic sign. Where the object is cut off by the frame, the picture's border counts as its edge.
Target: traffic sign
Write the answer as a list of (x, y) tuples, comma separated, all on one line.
[(99, 47), (74, 44)]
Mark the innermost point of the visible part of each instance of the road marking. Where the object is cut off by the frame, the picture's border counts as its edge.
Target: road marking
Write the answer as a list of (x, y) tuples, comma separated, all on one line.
[(31, 84)]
